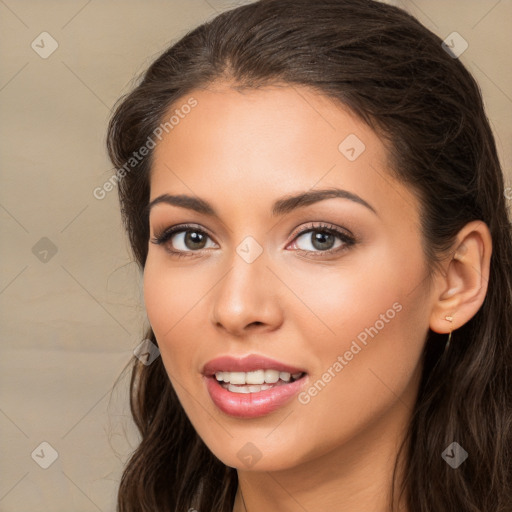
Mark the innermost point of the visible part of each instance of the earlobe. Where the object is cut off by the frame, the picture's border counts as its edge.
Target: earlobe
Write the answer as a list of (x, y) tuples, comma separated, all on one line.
[(460, 291)]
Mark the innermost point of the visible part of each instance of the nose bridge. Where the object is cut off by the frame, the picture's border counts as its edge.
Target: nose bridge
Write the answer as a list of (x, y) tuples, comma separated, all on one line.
[(245, 295)]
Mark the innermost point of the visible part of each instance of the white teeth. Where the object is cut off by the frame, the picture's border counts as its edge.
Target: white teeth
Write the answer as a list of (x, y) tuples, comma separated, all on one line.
[(236, 377), (238, 389), (271, 376), (284, 376), (257, 377), (247, 389), (255, 389)]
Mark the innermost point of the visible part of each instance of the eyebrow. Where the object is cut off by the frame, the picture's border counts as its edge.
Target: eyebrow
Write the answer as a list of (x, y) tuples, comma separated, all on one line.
[(280, 207)]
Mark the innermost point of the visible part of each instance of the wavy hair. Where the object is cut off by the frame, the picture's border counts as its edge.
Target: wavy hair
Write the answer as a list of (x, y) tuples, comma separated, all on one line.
[(394, 74)]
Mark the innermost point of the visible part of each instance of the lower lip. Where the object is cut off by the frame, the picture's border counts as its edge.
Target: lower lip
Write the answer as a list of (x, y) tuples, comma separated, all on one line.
[(252, 405)]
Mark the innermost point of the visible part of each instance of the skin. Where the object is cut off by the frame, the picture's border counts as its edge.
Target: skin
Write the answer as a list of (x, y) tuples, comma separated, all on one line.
[(241, 151)]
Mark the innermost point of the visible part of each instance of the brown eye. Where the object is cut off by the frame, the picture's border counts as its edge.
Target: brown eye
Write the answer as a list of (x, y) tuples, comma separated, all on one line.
[(182, 239), (194, 239)]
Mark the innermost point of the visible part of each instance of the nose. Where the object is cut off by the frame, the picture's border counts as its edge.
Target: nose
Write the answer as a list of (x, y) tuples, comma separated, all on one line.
[(246, 299)]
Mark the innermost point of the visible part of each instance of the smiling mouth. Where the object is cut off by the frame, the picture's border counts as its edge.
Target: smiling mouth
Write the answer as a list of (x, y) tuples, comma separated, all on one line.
[(255, 381)]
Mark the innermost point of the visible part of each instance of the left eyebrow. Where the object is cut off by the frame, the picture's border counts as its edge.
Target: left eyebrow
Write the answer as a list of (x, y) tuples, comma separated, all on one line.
[(290, 203), (280, 207)]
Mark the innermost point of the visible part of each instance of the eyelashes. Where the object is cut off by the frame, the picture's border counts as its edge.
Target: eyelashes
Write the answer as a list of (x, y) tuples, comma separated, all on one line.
[(165, 236)]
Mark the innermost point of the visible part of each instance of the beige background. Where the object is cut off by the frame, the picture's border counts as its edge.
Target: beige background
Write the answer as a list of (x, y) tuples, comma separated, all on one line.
[(70, 323)]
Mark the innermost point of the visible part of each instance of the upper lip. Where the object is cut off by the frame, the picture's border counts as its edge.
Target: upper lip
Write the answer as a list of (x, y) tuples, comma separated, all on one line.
[(246, 364)]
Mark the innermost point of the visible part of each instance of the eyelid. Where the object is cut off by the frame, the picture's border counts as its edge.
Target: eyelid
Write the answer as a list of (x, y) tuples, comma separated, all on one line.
[(162, 235), (322, 226)]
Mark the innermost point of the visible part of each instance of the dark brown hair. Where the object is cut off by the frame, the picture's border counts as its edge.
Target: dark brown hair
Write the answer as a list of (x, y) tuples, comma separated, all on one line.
[(393, 73)]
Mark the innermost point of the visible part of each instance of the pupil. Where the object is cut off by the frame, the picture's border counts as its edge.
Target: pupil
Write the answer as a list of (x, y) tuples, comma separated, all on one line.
[(319, 240)]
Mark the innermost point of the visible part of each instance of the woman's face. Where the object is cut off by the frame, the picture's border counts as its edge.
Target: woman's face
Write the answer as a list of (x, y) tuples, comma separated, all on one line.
[(329, 287)]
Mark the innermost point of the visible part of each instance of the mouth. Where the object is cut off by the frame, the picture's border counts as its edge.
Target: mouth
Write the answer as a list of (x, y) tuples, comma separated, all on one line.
[(252, 386)]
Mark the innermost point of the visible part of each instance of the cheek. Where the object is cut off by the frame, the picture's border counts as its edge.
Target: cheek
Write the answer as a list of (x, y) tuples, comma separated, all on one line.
[(371, 371), (174, 300), (369, 335), (167, 302), (375, 329), (340, 302), (168, 294)]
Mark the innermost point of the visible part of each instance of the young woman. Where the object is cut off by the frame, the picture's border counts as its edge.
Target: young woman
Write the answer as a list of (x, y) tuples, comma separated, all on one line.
[(313, 193)]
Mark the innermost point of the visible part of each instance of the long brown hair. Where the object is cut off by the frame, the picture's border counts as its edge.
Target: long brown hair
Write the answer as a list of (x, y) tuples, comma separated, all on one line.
[(395, 75)]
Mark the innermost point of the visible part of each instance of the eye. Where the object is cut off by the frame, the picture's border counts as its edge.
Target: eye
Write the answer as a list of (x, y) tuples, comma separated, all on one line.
[(321, 238), (186, 239), (182, 240)]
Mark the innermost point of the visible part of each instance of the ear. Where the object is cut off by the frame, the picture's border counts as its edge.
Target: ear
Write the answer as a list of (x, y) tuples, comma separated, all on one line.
[(459, 291)]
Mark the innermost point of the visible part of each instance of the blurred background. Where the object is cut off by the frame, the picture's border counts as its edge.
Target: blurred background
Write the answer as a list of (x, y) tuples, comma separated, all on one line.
[(71, 310)]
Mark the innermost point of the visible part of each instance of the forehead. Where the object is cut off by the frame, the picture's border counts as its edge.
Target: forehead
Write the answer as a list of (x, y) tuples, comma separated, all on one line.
[(268, 142), (258, 124)]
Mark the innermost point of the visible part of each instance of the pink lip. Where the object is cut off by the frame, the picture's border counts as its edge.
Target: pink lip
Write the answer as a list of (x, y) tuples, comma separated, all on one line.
[(250, 405), (246, 364)]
